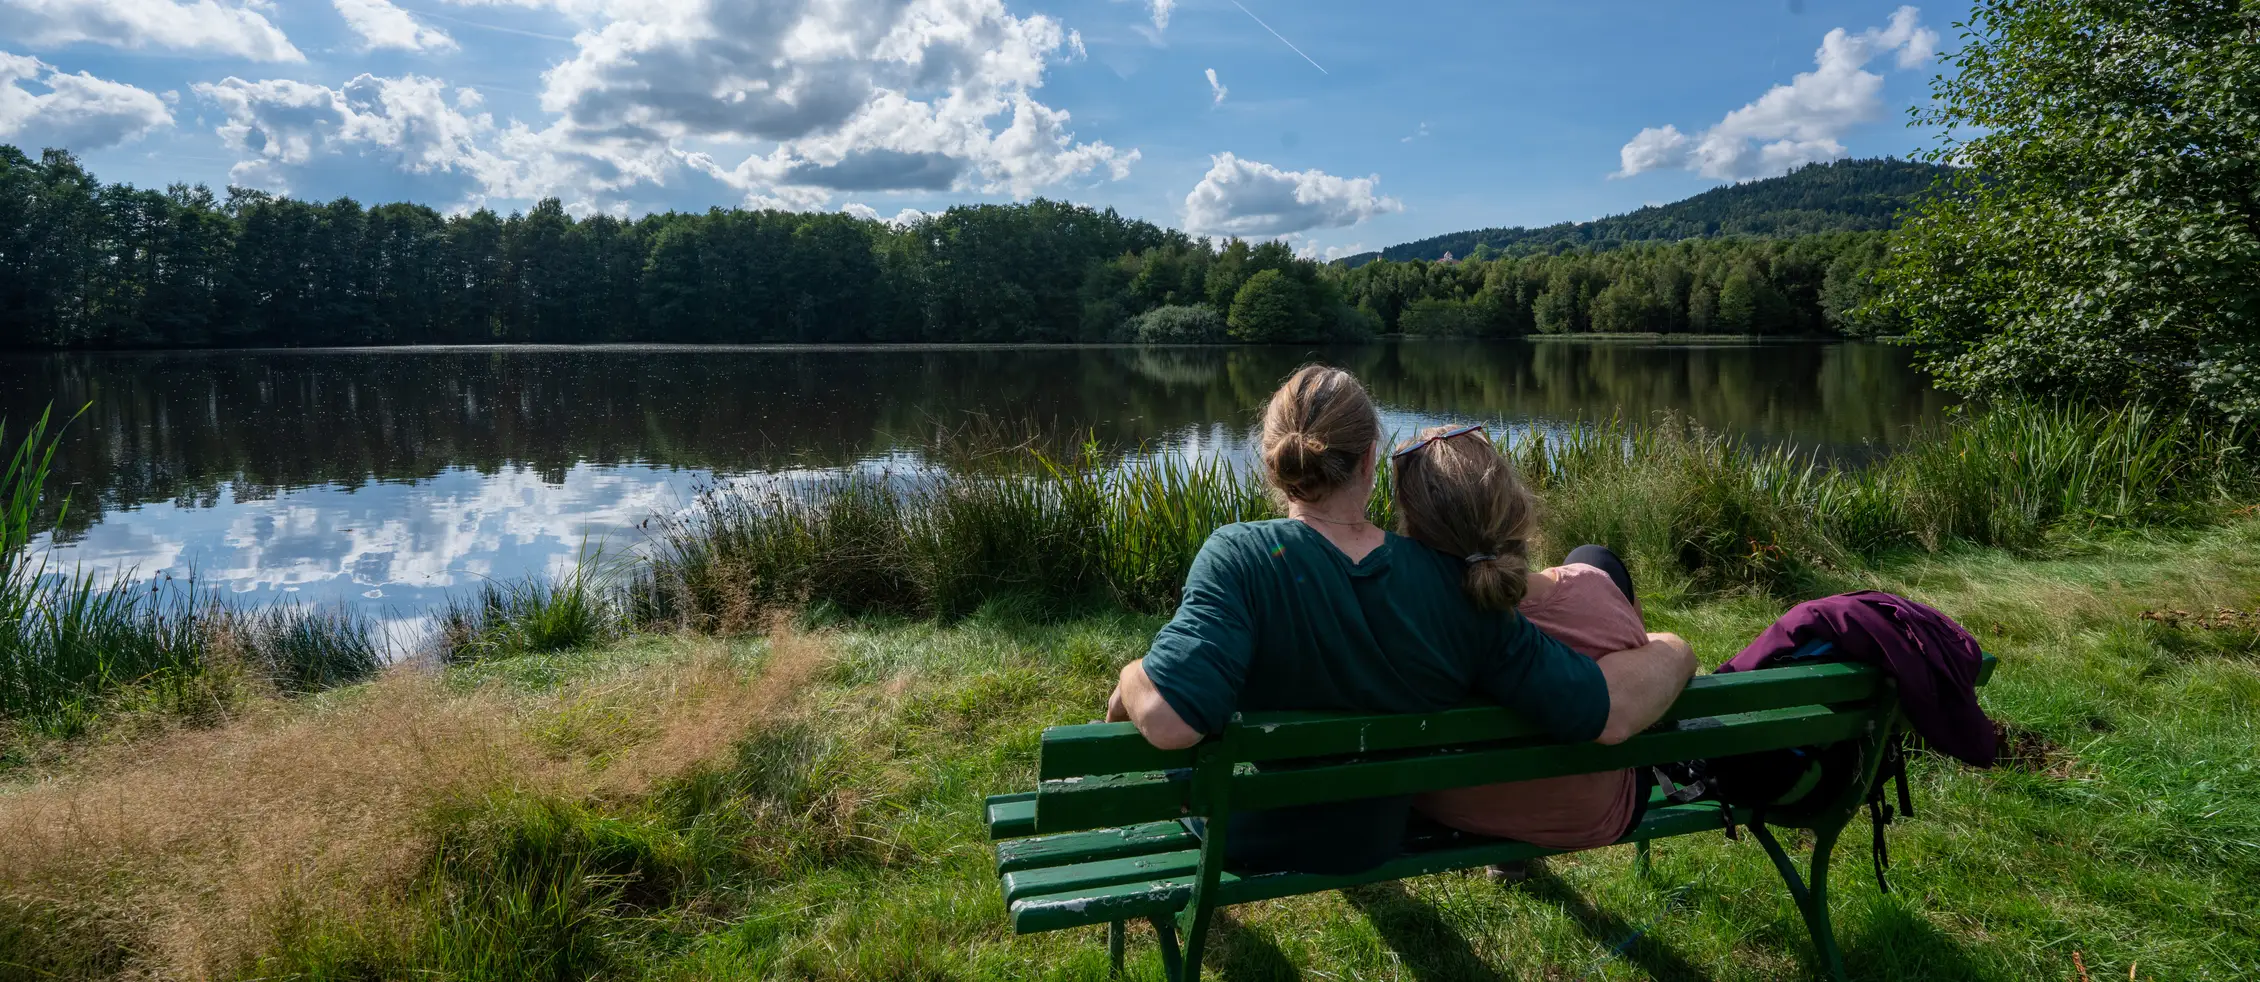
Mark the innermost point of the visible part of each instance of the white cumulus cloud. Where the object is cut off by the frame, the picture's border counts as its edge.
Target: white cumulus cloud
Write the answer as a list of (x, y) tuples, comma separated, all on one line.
[(382, 25), (1791, 124), (1217, 88), (788, 101), (1161, 10), (852, 95), (902, 218), (1308, 248), (279, 126), (207, 26), (1251, 198), (77, 112)]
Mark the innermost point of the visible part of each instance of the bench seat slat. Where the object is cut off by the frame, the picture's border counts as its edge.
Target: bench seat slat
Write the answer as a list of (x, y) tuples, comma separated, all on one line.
[(1011, 815), (1101, 873), (1082, 847), (1072, 804), (1147, 896)]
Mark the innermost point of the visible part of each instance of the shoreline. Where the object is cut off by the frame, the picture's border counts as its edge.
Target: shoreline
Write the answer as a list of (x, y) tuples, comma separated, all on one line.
[(937, 346)]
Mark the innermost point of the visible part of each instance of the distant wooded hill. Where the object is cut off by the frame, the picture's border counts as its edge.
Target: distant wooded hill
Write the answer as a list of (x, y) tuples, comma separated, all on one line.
[(1843, 196)]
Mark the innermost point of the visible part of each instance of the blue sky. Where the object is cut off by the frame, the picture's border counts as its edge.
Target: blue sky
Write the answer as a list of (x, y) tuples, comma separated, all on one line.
[(1391, 122)]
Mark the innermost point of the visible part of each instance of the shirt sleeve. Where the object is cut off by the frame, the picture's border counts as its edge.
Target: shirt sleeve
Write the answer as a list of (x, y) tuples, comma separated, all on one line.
[(1200, 660), (1541, 678)]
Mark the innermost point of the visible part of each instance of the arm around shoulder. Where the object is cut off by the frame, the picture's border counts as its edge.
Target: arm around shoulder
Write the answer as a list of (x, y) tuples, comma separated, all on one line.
[(1643, 683)]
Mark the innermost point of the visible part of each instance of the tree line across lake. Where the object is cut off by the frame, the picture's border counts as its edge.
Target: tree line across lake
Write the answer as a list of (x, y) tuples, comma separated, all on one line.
[(85, 264)]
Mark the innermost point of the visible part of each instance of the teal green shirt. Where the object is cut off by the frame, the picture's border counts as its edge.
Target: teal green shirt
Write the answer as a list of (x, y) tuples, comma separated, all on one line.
[(1275, 617)]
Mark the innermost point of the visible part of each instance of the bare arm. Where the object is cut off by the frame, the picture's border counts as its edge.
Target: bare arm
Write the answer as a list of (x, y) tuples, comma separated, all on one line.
[(1136, 700), (1643, 682)]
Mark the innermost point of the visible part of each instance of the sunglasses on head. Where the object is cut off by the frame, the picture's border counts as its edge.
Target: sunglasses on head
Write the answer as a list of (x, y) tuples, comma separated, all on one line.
[(1446, 435)]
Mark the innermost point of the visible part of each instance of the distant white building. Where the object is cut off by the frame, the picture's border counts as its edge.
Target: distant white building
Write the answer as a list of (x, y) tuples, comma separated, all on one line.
[(1447, 260)]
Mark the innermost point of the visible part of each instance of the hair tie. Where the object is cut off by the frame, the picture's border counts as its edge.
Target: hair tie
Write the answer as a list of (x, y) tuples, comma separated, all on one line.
[(1481, 557)]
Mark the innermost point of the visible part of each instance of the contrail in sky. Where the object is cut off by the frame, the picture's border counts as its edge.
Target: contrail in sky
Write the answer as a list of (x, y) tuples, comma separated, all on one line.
[(486, 27), (1282, 38)]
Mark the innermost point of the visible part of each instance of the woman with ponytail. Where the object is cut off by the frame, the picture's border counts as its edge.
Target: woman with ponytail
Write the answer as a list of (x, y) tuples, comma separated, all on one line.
[(1323, 610), (1458, 495)]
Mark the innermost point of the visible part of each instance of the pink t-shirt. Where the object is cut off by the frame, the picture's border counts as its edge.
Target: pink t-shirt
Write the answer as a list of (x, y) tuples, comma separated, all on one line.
[(1587, 612)]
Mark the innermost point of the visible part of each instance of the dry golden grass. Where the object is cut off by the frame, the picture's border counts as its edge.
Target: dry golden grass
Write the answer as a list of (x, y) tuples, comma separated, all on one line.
[(182, 855)]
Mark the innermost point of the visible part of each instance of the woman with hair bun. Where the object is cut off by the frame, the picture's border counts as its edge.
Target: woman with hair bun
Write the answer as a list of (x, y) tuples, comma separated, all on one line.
[(1323, 610)]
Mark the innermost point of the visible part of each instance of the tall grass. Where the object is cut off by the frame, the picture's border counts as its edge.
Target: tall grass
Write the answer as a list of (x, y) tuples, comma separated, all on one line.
[(1725, 513), (70, 640), (1067, 529), (1712, 512), (531, 616)]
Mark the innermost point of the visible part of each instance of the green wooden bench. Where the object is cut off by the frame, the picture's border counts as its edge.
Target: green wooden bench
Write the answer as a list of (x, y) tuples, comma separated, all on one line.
[(1100, 842)]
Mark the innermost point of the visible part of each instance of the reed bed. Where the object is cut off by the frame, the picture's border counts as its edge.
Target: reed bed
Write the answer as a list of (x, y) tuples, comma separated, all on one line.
[(1705, 511), (71, 642)]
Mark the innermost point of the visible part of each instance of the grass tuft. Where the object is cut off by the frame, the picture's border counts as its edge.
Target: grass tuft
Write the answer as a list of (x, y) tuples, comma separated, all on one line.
[(537, 615)]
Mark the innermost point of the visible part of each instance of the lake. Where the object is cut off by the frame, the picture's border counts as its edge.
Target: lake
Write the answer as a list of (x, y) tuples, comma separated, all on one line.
[(387, 479)]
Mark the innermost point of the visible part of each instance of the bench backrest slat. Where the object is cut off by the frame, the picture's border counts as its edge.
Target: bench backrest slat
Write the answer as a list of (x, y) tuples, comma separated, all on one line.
[(1105, 774), (1746, 733), (1093, 801), (1107, 748), (1284, 736), (1102, 748)]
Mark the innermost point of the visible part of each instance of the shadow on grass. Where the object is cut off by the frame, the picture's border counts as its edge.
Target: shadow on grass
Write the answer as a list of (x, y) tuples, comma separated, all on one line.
[(1620, 938), (1430, 947), (1243, 954), (1895, 942)]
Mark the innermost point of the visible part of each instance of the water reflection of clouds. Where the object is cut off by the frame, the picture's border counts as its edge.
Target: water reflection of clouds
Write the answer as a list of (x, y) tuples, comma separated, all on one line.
[(396, 549), (388, 548)]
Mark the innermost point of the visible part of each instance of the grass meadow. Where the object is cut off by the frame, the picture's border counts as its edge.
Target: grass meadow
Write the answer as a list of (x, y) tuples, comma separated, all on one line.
[(759, 752)]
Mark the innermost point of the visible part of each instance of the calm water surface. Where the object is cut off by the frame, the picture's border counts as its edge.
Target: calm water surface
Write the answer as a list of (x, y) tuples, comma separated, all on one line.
[(387, 479)]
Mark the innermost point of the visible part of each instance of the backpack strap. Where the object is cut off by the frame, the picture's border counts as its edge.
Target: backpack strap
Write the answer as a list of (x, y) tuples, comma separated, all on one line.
[(1893, 771)]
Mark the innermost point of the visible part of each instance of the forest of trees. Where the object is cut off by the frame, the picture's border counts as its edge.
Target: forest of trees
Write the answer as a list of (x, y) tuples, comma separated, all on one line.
[(1811, 285), (84, 264), (1841, 196)]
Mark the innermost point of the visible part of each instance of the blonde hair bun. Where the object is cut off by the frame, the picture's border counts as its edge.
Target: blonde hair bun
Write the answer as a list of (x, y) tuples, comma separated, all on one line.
[(1317, 431)]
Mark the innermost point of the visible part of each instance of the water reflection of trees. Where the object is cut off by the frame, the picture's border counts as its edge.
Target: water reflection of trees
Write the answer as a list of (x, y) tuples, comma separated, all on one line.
[(179, 426)]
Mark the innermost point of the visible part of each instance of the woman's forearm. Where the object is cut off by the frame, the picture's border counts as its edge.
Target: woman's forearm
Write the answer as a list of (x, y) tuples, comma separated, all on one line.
[(1137, 700), (1643, 683)]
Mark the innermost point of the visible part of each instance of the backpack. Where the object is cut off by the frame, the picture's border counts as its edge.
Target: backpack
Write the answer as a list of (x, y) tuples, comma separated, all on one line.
[(1788, 785)]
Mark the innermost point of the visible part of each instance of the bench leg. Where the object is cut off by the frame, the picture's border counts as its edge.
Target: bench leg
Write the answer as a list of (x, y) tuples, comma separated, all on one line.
[(1640, 862), (1172, 962), (1811, 894), (1197, 920), (1114, 948)]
